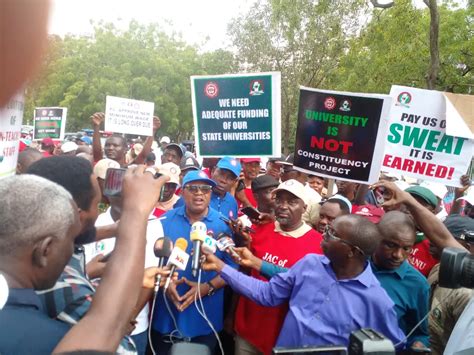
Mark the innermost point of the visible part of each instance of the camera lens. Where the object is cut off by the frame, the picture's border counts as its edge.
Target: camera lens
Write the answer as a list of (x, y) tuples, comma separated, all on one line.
[(456, 269)]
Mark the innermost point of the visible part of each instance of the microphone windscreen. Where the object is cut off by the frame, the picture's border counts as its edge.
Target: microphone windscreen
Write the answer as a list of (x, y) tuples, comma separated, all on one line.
[(163, 247), (198, 231), (181, 243)]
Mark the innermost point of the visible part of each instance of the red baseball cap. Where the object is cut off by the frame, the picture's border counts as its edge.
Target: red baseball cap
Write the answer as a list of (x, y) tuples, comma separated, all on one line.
[(371, 212), (47, 141), (250, 160)]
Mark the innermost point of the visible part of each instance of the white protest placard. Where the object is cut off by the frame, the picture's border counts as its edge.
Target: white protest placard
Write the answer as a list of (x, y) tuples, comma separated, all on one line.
[(129, 116), (417, 143), (11, 117)]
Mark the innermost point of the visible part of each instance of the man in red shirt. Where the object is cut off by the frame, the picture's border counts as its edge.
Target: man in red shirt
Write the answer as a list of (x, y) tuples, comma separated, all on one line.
[(250, 169), (420, 256), (283, 243), (47, 147)]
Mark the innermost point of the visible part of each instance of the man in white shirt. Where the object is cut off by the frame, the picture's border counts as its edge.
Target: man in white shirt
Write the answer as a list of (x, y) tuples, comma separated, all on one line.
[(106, 246)]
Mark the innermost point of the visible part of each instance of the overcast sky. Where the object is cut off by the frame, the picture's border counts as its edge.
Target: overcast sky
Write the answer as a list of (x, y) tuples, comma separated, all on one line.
[(195, 19)]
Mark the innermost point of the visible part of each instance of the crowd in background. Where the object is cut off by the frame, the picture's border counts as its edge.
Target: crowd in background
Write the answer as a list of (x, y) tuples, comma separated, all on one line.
[(313, 260)]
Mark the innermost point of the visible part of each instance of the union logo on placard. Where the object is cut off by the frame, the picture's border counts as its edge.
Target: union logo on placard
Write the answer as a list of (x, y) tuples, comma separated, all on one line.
[(256, 88), (403, 99), (346, 105), (330, 103), (211, 89)]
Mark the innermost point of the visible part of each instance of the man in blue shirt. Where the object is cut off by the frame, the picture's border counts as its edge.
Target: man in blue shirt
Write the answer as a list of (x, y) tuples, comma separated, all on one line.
[(406, 286), (225, 175), (34, 249), (190, 325), (329, 296)]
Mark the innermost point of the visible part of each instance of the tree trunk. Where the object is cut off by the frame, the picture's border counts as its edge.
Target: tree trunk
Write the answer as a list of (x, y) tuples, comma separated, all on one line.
[(434, 44), (286, 138)]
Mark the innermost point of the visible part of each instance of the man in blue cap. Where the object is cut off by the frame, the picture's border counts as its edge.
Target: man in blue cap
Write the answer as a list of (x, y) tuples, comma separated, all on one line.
[(190, 325), (225, 175)]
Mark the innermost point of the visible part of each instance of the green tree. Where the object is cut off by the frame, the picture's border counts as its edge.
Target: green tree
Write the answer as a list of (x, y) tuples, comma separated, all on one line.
[(303, 39), (394, 48), (142, 63)]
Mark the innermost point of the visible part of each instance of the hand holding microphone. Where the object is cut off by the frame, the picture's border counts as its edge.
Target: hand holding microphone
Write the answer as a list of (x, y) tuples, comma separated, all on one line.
[(226, 243), (162, 250), (178, 258), (198, 235)]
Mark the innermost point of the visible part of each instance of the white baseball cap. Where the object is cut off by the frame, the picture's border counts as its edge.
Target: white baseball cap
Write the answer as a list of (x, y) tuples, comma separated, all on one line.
[(294, 187), (100, 169), (165, 139), (171, 170), (68, 147)]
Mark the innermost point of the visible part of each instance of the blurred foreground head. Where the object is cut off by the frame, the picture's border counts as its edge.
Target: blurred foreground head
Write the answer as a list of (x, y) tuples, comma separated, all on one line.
[(23, 33), (35, 242)]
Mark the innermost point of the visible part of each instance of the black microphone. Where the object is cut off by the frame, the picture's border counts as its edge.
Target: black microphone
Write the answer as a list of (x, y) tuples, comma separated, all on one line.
[(198, 235), (162, 250)]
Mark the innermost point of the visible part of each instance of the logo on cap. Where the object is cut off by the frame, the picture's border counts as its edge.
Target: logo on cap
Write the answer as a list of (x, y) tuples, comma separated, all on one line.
[(173, 170), (289, 183), (202, 174)]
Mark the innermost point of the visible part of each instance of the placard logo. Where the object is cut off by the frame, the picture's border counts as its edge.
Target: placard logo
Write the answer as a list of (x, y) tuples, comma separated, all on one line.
[(256, 88), (345, 106), (211, 90), (403, 99), (330, 103)]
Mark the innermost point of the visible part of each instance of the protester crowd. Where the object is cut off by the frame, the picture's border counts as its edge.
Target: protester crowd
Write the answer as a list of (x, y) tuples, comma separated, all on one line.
[(311, 262)]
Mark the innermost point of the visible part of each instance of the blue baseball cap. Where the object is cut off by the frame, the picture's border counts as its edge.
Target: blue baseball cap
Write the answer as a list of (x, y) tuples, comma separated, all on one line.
[(197, 175), (231, 164), (86, 140)]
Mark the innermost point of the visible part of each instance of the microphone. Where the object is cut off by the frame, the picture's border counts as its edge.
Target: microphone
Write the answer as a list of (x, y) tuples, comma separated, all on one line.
[(178, 258), (198, 235), (209, 245), (162, 250), (226, 243)]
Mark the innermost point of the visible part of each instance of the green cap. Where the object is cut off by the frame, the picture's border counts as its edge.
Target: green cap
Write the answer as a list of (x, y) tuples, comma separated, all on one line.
[(424, 194)]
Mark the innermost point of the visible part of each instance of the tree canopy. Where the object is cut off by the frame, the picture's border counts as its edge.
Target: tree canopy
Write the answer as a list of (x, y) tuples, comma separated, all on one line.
[(330, 44)]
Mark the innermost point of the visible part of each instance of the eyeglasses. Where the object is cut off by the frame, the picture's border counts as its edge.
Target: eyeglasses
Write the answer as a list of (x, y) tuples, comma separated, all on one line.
[(329, 235), (194, 189)]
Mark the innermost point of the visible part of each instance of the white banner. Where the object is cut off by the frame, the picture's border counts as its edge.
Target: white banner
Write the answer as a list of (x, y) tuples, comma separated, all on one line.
[(417, 143), (129, 116), (11, 117)]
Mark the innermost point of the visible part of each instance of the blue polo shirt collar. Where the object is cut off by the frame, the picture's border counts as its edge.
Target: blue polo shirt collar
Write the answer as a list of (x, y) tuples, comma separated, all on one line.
[(401, 271), (24, 297), (210, 217), (365, 278)]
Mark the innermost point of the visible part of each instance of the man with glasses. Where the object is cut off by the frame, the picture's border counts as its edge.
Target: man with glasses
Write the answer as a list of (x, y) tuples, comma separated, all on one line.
[(190, 325), (406, 286), (329, 296)]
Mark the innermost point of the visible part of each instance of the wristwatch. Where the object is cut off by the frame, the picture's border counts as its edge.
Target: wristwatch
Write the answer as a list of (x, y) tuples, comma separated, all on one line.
[(212, 289)]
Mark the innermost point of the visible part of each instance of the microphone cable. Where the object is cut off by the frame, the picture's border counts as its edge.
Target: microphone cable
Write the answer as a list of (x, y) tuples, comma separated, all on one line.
[(176, 328), (423, 319), (203, 314)]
